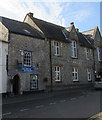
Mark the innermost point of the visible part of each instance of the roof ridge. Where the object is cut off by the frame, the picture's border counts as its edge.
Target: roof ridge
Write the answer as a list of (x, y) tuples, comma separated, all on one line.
[(11, 19), (48, 22)]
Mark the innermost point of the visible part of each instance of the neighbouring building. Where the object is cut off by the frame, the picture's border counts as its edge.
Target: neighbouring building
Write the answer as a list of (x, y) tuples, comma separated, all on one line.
[(3, 57), (95, 36), (42, 55)]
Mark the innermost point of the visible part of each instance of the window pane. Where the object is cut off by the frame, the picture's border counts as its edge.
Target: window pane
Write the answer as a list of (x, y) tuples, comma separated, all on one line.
[(74, 44), (55, 68), (75, 76), (58, 76)]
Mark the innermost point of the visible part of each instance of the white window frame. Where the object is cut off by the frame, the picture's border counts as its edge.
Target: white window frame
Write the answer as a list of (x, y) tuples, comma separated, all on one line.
[(89, 77), (57, 73), (99, 53), (27, 58), (90, 54), (74, 49), (75, 74), (57, 48), (87, 53)]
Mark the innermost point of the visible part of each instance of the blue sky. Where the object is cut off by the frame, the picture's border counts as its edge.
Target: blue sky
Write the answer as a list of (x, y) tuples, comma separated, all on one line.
[(85, 15)]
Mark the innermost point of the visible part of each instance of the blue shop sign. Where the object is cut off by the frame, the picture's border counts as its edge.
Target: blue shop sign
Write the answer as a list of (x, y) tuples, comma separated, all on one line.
[(27, 69)]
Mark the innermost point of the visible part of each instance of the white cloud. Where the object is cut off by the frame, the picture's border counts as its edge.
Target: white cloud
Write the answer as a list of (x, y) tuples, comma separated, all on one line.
[(11, 8), (49, 11), (17, 9), (54, 14)]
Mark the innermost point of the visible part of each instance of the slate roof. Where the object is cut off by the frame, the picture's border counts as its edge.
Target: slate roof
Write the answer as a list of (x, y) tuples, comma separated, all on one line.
[(20, 28), (51, 30), (84, 40)]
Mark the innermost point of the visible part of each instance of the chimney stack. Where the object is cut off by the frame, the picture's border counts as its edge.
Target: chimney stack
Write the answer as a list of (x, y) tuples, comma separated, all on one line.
[(77, 30)]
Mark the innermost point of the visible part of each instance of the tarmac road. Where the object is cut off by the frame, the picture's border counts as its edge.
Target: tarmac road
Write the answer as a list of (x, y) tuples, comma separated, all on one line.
[(76, 104)]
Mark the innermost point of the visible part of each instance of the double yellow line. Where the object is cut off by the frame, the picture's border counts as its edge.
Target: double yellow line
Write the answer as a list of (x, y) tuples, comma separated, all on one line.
[(97, 116)]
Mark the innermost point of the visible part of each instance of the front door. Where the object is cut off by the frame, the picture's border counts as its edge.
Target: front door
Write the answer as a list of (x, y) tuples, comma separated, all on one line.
[(33, 81), (16, 83)]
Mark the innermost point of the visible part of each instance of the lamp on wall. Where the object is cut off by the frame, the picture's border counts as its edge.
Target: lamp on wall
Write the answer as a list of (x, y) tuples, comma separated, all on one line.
[(22, 53)]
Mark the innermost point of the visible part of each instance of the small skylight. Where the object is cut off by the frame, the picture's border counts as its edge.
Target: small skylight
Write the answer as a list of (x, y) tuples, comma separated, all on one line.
[(26, 31)]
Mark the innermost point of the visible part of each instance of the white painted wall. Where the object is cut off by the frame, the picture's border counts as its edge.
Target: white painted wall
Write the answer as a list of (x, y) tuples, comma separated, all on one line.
[(3, 53), (0, 66), (3, 71)]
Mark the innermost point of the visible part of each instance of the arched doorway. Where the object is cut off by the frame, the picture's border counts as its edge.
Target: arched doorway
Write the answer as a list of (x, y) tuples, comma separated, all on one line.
[(16, 84)]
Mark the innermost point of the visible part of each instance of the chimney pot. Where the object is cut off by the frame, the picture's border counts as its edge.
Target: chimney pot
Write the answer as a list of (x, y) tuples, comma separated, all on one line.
[(72, 23), (30, 14)]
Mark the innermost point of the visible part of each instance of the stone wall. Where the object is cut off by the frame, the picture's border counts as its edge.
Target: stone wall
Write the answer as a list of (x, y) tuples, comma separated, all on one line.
[(67, 63)]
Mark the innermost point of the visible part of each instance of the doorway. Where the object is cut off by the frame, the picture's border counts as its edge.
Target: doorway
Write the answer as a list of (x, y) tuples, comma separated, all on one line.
[(33, 82), (16, 84)]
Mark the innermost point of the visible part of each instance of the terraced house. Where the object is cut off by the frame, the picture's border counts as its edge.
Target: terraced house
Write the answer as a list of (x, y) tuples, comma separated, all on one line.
[(45, 56)]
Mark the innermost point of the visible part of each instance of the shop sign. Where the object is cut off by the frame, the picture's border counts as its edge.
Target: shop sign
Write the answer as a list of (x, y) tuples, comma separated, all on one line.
[(27, 69)]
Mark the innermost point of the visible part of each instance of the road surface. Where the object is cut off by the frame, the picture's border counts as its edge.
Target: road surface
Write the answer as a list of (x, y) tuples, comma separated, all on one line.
[(78, 104)]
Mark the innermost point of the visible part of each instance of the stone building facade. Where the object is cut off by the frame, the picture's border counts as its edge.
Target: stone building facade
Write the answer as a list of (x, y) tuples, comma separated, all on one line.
[(84, 66), (42, 55)]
